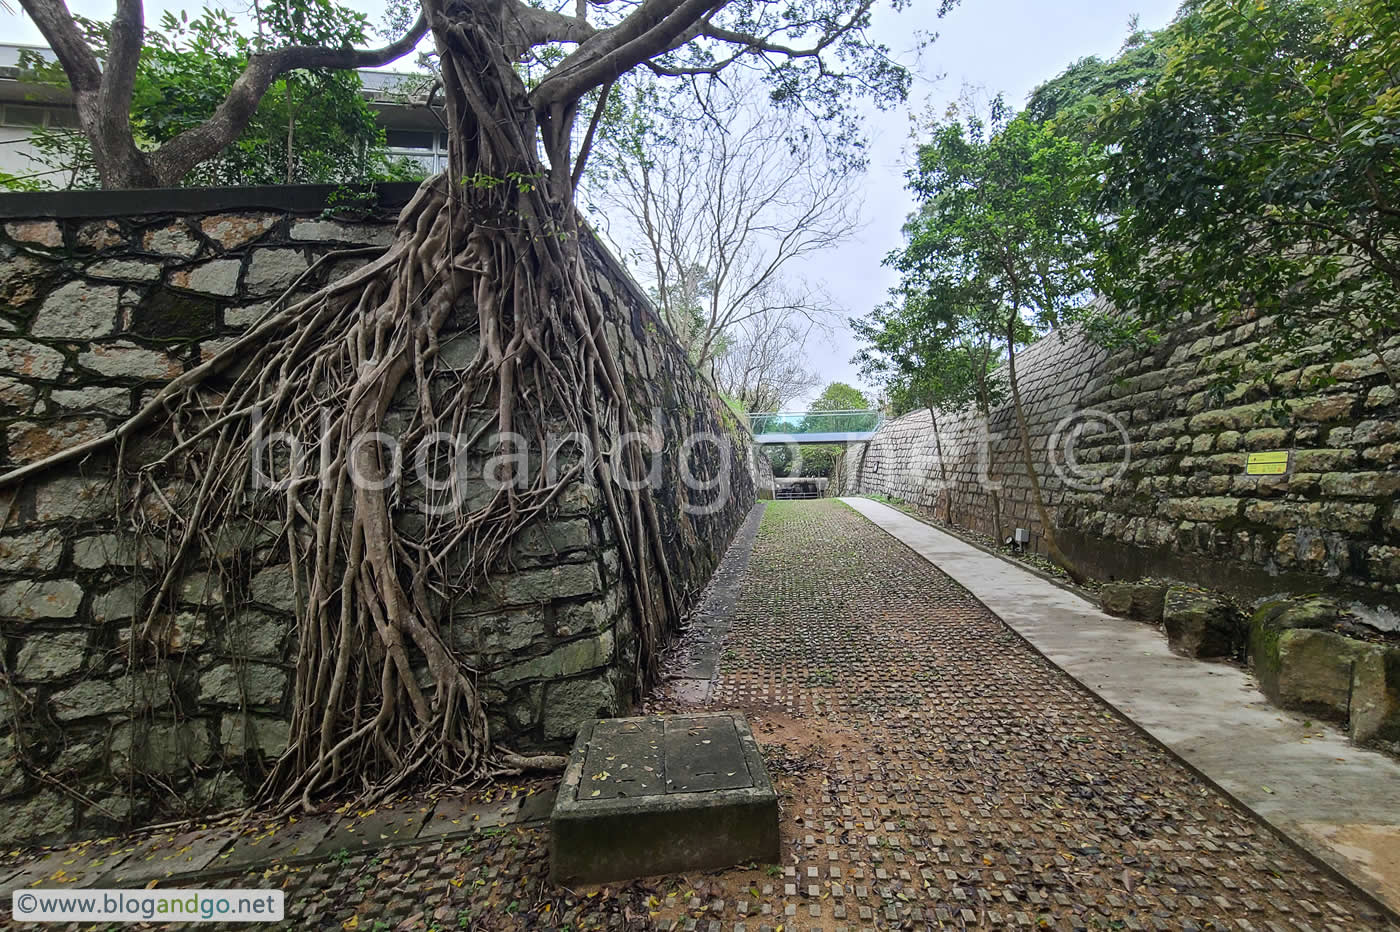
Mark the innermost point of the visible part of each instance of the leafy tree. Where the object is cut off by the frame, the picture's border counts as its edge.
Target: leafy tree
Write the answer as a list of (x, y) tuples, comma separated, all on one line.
[(1079, 97), (838, 396), (311, 126), (1002, 224), (382, 696), (1260, 176), (931, 350)]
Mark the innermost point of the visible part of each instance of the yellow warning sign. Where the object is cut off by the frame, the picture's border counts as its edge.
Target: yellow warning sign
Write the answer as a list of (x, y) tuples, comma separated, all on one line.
[(1272, 463)]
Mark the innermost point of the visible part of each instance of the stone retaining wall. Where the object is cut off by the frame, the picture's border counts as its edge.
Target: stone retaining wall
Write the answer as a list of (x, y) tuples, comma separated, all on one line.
[(103, 298), (1182, 506)]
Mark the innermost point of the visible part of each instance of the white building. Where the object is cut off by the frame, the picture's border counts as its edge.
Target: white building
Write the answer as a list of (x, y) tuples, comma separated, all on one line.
[(398, 100)]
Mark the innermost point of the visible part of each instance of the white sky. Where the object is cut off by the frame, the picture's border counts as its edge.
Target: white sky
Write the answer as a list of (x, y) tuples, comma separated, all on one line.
[(1002, 46)]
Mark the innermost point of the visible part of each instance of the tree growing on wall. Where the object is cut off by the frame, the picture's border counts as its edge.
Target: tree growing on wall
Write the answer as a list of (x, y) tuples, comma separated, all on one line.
[(1001, 222), (311, 126), (1080, 97), (1261, 175), (381, 698)]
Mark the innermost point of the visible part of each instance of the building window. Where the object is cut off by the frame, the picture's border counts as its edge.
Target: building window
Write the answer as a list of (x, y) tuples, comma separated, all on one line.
[(30, 116)]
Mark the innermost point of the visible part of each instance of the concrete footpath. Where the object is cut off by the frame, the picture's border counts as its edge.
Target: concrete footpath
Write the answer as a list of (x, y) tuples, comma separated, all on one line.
[(1338, 802)]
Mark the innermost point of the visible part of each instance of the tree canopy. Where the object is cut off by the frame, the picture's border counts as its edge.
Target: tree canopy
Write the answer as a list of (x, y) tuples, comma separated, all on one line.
[(1260, 175), (313, 126), (813, 56)]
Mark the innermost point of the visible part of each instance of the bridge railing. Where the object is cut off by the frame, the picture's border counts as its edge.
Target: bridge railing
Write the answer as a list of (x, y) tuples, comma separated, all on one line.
[(799, 423)]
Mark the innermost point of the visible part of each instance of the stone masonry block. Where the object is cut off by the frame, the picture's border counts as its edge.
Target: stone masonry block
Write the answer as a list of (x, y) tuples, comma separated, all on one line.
[(695, 798)]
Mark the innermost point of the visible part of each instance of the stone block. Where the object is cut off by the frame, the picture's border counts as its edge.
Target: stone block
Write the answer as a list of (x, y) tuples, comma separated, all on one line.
[(15, 396), (233, 230), (240, 733), (181, 633), (35, 551), (29, 441), (78, 311), (571, 704), (1142, 601), (1361, 484), (329, 231), (258, 635), (173, 316), (1200, 623), (98, 235), (172, 240), (546, 585), (126, 270), (1323, 408), (104, 550), (216, 276), (35, 360), (28, 599), (44, 817), (1266, 438), (125, 695), (253, 684), (509, 632), (96, 399), (118, 603), (272, 587), (46, 233), (50, 655), (1300, 666), (201, 589), (696, 797), (245, 316), (1322, 460), (158, 747), (124, 360), (578, 656), (1383, 562), (69, 497), (271, 271), (1375, 697)]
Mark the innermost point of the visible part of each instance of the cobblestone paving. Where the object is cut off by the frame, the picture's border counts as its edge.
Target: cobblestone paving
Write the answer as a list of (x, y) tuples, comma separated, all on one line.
[(935, 773), (960, 779)]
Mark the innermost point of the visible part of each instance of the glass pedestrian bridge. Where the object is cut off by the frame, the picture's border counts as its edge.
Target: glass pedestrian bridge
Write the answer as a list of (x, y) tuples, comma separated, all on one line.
[(815, 427)]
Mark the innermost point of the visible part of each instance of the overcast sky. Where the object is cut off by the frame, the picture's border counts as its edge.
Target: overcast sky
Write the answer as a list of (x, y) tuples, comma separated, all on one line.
[(1001, 46)]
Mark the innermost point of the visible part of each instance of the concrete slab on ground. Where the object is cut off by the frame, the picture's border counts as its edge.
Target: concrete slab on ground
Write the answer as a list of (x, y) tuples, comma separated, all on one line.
[(1339, 802), (456, 814), (374, 828), (275, 841), (653, 795), (164, 856)]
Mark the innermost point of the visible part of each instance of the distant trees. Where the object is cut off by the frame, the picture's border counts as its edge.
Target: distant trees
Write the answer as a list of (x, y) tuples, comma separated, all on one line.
[(720, 196), (763, 366)]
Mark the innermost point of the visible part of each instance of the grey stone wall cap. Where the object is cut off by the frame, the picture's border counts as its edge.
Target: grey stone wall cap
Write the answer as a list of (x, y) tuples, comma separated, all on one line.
[(62, 205)]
